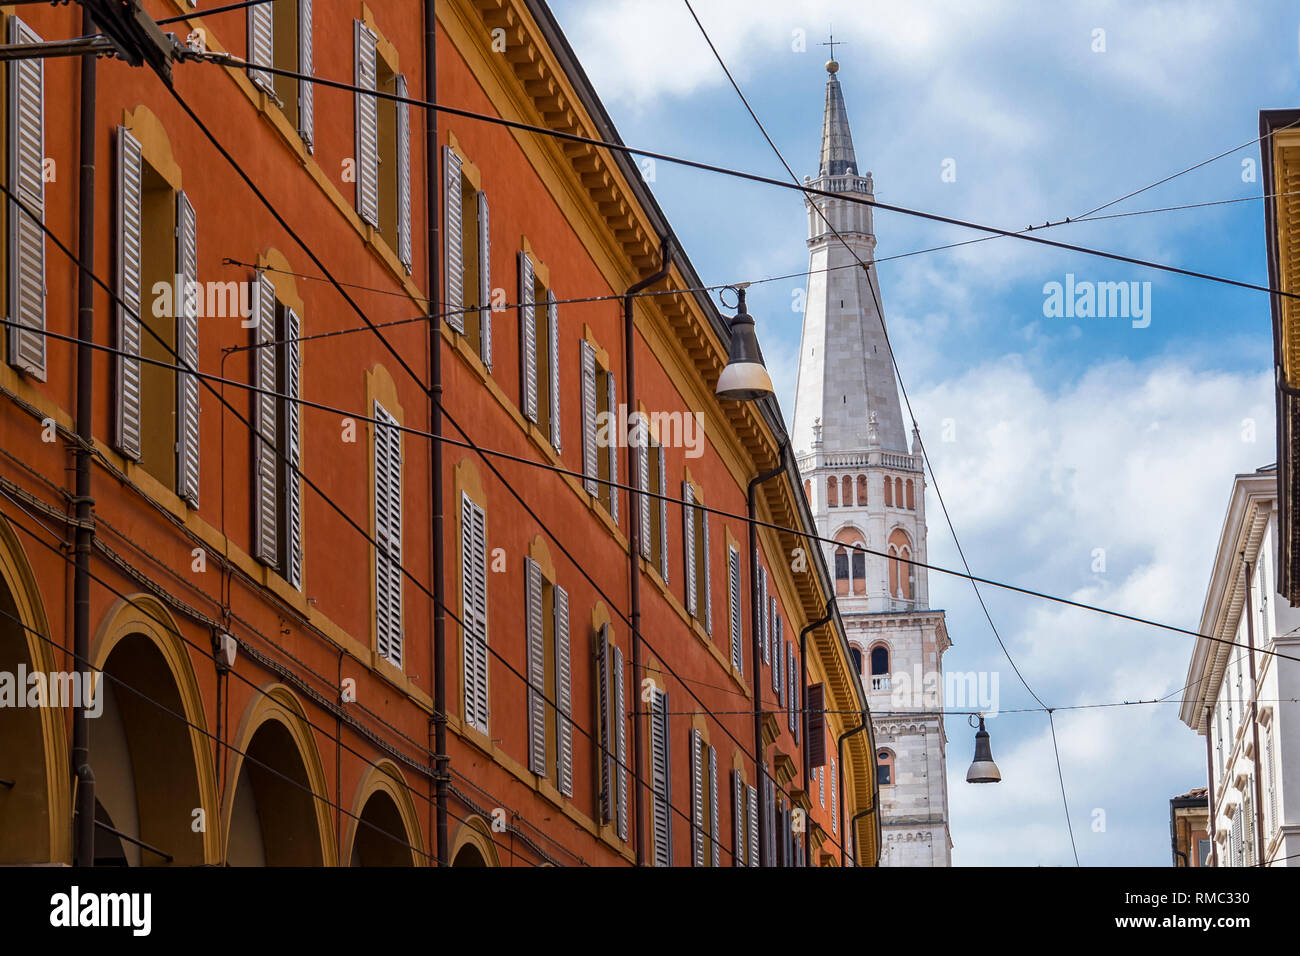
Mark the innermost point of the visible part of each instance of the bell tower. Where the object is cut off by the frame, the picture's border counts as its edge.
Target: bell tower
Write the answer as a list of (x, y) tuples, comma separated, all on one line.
[(866, 486)]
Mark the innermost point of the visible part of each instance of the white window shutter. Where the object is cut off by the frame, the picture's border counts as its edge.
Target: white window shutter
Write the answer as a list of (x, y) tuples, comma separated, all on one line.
[(536, 641), (605, 723), (611, 391), (27, 183), (697, 798), (688, 546), (527, 338), (620, 740), (737, 819), (563, 692), (261, 45), (453, 224), (590, 461), (474, 652), (733, 588), (715, 838), (403, 111), (1270, 776), (266, 497), (484, 281), (553, 364), (292, 473), (643, 482), (706, 586), (187, 348), (772, 641), (796, 695), (130, 176), (769, 810), (835, 797), (661, 779), (751, 816), (306, 89), (388, 535), (663, 514), (367, 120), (762, 614)]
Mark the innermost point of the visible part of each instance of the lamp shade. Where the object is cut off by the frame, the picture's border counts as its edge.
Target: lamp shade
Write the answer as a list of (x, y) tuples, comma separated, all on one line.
[(745, 378)]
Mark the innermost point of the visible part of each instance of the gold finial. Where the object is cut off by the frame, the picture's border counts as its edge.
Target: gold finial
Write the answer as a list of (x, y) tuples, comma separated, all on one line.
[(832, 65)]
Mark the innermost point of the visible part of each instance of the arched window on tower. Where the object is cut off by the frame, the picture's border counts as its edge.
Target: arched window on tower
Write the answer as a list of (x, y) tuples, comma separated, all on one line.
[(855, 653), (889, 492), (911, 500), (807, 490), (842, 582), (832, 492), (898, 492), (885, 768), (862, 491), (846, 491), (853, 558), (880, 667), (902, 575)]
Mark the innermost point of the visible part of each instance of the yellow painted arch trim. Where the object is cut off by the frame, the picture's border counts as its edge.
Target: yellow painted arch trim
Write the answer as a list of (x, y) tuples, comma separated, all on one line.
[(475, 830), (385, 777)]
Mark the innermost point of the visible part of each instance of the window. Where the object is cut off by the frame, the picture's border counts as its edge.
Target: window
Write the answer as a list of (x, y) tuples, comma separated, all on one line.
[(902, 573), (898, 492), (473, 612), (911, 500), (733, 593), (612, 731), (706, 848), (653, 467), (156, 419), (792, 682), (879, 660), (1270, 781), (550, 725), (600, 437), (846, 491), (467, 255), (862, 491), (1203, 852), (383, 148), (279, 35), (885, 768), (889, 492), (855, 652), (24, 259), (850, 563), (661, 779), (539, 353), (832, 493), (835, 799), (388, 536), (807, 489), (775, 638), (695, 542), (744, 820), (277, 440)]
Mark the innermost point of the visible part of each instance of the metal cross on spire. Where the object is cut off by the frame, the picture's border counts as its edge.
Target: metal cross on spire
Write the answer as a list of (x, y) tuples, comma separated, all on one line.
[(833, 43)]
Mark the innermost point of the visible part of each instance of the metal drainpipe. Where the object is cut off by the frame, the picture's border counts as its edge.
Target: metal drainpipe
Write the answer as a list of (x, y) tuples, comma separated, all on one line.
[(756, 649), (1209, 770), (1173, 835), (803, 711), (839, 773), (433, 246), (84, 536), (1254, 719), (634, 528)]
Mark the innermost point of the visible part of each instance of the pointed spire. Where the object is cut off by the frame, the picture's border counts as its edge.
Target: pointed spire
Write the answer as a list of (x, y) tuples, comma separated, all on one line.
[(837, 141)]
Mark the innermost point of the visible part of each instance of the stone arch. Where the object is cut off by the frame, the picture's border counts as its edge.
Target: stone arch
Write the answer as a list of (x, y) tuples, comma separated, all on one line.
[(270, 820), (384, 802), (473, 844), (150, 750), (35, 811)]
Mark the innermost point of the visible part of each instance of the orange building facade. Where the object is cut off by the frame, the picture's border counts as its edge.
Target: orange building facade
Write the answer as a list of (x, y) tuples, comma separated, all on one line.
[(263, 564)]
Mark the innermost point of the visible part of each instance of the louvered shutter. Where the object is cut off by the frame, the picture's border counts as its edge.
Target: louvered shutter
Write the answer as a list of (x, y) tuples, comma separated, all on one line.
[(1248, 822), (453, 225), (130, 175), (1235, 838), (484, 281), (292, 475), (762, 612), (688, 542), (620, 739), (306, 104), (266, 497), (769, 813), (773, 641), (821, 786), (553, 364), (733, 588), (187, 342), (643, 481), (388, 535), (661, 779), (706, 586), (663, 514), (697, 798), (536, 638), (367, 120), (527, 337), (796, 687), (261, 45), (751, 814), (473, 558), (737, 819), (1271, 779), (605, 723), (27, 183), (590, 461), (835, 798), (715, 838), (564, 692), (403, 111), (611, 394)]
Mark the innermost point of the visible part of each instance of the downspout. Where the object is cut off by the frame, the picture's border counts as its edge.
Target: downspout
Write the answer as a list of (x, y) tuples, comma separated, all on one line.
[(1254, 718), (84, 834), (634, 528), (1209, 770), (1173, 835), (756, 649), (433, 246), (839, 772), (803, 711)]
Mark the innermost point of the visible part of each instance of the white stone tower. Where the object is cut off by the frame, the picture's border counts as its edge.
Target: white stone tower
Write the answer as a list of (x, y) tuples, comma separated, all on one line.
[(867, 488)]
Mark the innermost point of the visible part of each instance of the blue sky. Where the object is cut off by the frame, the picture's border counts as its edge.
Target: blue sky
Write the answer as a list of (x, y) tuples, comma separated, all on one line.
[(1070, 434)]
